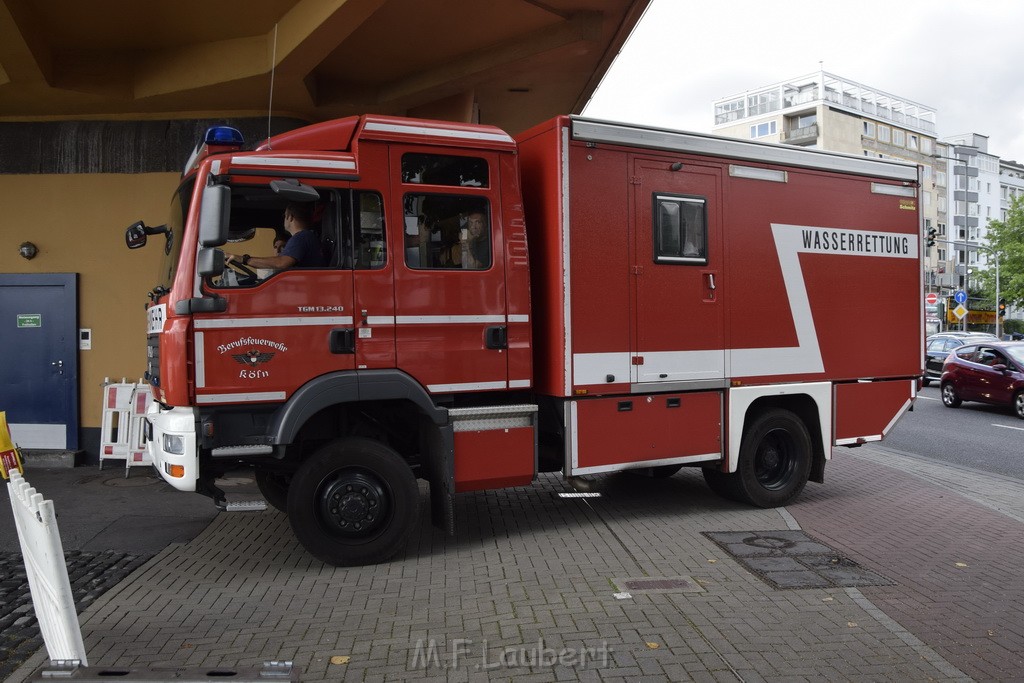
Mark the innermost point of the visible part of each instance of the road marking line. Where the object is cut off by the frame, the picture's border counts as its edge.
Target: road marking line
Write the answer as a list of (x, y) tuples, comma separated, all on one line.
[(1019, 429), (927, 398)]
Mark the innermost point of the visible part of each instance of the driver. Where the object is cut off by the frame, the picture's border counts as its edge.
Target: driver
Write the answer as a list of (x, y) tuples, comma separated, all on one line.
[(302, 250)]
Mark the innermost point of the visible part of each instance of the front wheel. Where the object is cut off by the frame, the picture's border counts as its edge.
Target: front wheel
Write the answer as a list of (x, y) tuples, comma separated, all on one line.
[(774, 459), (1018, 404), (949, 397), (274, 487), (353, 502)]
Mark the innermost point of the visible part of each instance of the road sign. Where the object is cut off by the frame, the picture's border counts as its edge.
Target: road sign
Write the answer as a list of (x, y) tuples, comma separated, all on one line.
[(931, 298), (960, 297), (960, 312)]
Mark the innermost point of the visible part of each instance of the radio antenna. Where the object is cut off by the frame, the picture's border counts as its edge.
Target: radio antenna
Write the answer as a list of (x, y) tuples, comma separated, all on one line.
[(273, 68)]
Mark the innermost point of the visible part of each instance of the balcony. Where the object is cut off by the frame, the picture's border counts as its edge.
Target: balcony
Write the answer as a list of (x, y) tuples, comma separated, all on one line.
[(806, 135)]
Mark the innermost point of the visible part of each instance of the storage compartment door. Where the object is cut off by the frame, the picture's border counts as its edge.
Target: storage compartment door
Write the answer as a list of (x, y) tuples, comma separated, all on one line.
[(495, 446), (866, 411), (610, 434)]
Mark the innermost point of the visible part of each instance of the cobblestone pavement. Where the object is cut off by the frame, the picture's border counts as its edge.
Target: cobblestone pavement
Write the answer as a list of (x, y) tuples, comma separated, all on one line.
[(91, 574), (526, 589)]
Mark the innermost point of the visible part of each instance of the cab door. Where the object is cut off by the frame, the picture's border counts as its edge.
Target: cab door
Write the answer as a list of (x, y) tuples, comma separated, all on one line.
[(679, 286), (449, 288), (280, 329)]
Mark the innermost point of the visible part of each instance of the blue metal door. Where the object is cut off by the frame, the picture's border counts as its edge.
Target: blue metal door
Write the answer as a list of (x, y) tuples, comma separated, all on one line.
[(39, 365)]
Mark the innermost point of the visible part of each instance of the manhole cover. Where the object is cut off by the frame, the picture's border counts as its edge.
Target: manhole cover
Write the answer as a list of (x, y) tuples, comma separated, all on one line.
[(792, 559), (658, 584)]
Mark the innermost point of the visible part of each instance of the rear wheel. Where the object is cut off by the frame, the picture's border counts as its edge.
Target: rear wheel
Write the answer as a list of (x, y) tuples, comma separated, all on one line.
[(949, 397), (353, 502), (774, 460), (1018, 404), (665, 471), (722, 483)]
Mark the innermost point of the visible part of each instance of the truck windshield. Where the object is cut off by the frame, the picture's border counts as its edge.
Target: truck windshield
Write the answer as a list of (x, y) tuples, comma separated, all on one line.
[(180, 203)]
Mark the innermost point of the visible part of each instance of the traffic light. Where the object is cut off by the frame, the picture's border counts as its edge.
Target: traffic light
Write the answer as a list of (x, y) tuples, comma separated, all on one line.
[(1002, 308), (932, 234)]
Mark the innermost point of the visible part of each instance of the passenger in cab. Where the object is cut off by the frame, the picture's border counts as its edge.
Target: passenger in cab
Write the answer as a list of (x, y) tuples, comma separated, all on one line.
[(301, 250)]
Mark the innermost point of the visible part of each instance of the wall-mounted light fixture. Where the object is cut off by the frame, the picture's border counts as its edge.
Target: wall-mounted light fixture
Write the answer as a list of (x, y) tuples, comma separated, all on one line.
[(28, 250)]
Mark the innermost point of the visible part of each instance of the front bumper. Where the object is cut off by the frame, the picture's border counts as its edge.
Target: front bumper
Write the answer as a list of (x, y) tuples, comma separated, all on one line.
[(180, 470)]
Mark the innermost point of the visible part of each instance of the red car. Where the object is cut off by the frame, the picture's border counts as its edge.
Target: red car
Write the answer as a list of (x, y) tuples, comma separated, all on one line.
[(987, 372)]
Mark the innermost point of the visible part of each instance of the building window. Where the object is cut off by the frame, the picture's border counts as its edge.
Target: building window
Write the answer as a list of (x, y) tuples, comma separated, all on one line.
[(912, 141), (942, 254), (940, 178), (898, 137), (926, 145), (883, 133), (763, 102), (869, 129), (760, 130)]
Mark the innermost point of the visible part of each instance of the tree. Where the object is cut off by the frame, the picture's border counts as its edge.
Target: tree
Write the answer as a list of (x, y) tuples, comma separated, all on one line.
[(1007, 238)]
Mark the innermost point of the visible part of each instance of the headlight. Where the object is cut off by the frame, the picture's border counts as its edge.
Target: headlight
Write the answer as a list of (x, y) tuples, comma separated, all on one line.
[(174, 443)]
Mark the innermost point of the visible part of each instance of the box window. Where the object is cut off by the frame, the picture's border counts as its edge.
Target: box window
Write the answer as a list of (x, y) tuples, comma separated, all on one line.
[(680, 229)]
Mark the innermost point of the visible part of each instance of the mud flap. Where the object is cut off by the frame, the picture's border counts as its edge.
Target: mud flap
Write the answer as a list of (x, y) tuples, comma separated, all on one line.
[(440, 450)]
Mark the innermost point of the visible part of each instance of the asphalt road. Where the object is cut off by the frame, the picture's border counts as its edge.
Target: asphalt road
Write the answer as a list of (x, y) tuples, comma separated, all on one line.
[(975, 435)]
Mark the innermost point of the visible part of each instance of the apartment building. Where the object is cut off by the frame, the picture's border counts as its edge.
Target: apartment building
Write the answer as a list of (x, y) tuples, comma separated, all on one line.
[(824, 111)]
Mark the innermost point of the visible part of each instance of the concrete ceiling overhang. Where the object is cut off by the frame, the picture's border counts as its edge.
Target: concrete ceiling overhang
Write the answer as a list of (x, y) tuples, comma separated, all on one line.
[(511, 63)]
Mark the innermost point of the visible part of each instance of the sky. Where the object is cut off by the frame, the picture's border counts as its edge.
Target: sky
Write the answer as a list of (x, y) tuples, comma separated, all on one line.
[(964, 59)]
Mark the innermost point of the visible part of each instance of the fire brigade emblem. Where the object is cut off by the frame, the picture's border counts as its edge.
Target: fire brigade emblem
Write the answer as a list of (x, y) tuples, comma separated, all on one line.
[(252, 358)]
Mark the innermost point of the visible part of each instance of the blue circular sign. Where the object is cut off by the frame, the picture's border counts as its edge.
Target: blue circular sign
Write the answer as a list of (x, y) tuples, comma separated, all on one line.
[(960, 297)]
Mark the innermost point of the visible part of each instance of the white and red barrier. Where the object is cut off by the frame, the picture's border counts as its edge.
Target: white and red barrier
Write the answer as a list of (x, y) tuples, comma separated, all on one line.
[(122, 436)]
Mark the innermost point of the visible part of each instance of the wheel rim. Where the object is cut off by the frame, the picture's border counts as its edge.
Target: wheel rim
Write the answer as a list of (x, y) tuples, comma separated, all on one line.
[(948, 395), (775, 459), (1018, 404), (353, 504)]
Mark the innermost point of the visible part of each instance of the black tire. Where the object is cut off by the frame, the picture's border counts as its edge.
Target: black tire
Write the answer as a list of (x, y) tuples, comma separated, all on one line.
[(1018, 404), (925, 382), (353, 502), (775, 459), (949, 397), (274, 487), (721, 483), (664, 471)]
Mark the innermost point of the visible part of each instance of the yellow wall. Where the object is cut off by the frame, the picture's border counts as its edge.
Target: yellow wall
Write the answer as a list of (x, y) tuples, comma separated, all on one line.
[(78, 224)]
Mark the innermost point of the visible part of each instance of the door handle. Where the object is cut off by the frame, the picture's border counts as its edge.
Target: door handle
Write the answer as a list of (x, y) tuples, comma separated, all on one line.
[(711, 281), (496, 337), (342, 340)]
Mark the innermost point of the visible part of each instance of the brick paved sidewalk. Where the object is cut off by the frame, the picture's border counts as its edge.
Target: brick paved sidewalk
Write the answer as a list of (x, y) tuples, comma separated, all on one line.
[(528, 565)]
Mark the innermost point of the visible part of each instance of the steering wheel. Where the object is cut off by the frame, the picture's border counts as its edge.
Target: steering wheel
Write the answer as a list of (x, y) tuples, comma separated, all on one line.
[(241, 268)]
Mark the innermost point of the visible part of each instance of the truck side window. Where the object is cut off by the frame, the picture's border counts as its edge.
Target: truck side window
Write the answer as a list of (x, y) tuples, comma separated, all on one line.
[(680, 230), (368, 231), (451, 232), (444, 169)]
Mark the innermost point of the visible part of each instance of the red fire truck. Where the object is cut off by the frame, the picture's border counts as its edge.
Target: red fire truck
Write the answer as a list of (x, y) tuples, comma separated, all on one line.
[(586, 297)]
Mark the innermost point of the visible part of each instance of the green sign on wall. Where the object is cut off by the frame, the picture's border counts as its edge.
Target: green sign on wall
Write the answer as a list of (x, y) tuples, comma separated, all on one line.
[(30, 320)]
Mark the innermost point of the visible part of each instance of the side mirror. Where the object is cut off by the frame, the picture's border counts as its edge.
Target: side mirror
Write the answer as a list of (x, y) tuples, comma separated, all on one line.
[(214, 216), (135, 235), (293, 190), (210, 262), (999, 367)]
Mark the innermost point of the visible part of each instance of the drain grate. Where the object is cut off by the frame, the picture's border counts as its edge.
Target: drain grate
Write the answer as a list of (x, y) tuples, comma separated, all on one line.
[(792, 559), (658, 584)]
